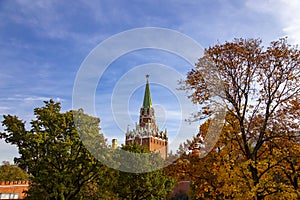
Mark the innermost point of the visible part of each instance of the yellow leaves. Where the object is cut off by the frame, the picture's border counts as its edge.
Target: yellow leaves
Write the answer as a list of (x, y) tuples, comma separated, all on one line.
[(257, 154)]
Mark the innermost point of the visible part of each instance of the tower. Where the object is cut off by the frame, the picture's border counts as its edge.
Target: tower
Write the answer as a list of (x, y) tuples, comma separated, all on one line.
[(146, 133)]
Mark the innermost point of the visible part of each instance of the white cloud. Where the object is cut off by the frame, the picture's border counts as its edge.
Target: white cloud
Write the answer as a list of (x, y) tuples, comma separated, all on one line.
[(28, 98), (60, 20), (286, 11)]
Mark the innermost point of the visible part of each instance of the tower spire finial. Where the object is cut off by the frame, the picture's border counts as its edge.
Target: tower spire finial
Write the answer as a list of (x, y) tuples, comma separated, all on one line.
[(147, 77)]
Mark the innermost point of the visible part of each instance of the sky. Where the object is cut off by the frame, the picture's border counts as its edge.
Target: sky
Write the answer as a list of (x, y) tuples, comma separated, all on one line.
[(45, 44)]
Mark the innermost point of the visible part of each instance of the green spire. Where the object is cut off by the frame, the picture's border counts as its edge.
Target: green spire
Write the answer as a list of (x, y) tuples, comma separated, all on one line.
[(147, 97)]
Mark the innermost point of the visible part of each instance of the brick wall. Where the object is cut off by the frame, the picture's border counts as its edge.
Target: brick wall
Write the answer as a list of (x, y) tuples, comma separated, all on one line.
[(14, 187)]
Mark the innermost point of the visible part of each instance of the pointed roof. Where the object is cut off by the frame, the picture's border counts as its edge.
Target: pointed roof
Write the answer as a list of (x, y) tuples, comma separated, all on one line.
[(147, 97)]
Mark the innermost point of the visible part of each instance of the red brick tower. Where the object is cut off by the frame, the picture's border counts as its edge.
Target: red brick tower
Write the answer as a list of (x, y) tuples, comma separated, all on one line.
[(146, 133)]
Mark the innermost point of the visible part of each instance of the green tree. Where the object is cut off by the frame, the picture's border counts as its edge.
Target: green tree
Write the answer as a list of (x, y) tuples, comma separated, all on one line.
[(12, 173), (54, 155), (150, 185), (258, 153)]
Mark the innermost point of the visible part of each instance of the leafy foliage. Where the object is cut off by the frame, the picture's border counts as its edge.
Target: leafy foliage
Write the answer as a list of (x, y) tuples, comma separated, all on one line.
[(52, 152), (258, 153), (12, 173), (150, 185)]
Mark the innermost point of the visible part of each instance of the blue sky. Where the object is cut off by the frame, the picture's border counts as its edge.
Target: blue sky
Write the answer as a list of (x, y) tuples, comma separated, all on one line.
[(43, 44)]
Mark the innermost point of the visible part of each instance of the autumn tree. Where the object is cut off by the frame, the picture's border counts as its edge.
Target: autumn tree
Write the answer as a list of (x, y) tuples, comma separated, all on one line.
[(54, 155), (201, 172), (10, 172), (258, 153)]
